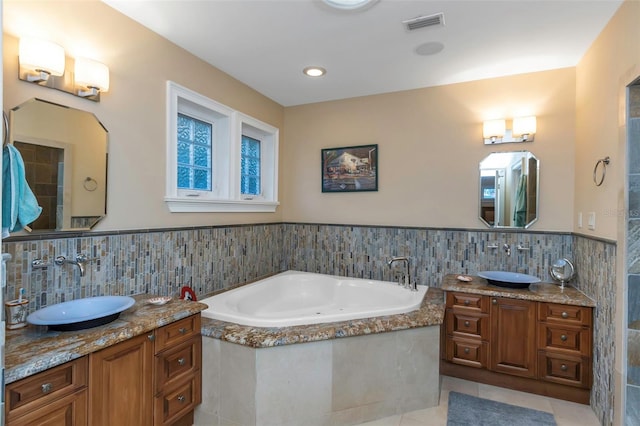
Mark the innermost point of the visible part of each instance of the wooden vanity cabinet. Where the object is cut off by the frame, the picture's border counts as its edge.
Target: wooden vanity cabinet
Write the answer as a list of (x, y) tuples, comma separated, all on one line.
[(538, 347), (55, 397)]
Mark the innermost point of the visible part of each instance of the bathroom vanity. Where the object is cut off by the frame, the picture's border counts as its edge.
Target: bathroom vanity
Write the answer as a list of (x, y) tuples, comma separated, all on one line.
[(536, 340), (143, 369)]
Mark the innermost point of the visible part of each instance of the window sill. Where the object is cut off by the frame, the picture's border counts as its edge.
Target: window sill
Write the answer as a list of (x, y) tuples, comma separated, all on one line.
[(182, 205)]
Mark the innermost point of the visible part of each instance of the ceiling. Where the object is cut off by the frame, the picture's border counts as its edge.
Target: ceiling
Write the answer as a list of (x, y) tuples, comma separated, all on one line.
[(267, 43)]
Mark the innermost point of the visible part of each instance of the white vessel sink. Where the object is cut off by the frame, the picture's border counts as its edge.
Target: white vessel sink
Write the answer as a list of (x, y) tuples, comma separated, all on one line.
[(508, 279), (81, 313)]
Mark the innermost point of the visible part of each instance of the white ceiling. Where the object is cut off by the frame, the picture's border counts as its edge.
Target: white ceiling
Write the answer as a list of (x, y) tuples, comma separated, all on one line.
[(267, 43)]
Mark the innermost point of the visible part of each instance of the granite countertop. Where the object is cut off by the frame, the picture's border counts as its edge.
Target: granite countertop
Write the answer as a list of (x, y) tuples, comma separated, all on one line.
[(540, 292), (33, 349), (431, 312)]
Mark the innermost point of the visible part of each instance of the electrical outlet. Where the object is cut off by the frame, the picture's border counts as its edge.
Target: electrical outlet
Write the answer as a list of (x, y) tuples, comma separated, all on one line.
[(580, 220), (592, 221)]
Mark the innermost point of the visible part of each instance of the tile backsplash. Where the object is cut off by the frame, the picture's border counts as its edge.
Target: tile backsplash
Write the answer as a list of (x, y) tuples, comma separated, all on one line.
[(211, 258)]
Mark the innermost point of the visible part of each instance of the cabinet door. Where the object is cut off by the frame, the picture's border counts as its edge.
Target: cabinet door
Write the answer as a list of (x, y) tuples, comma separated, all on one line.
[(513, 336), (121, 384)]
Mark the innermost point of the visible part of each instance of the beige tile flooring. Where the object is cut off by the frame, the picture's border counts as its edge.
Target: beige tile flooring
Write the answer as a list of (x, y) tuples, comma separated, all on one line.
[(565, 413)]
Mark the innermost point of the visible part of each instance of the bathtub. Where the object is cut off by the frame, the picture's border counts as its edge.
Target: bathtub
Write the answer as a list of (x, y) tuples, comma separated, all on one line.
[(297, 298)]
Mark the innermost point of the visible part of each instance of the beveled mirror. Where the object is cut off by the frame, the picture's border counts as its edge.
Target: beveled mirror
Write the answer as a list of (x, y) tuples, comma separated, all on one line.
[(509, 189), (65, 157)]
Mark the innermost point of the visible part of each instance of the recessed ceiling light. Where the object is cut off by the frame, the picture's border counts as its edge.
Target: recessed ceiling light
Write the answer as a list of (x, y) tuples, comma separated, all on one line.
[(349, 4), (429, 48), (314, 71)]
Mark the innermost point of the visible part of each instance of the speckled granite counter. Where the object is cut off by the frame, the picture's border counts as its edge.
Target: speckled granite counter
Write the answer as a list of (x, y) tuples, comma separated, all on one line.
[(33, 349), (431, 312), (541, 292)]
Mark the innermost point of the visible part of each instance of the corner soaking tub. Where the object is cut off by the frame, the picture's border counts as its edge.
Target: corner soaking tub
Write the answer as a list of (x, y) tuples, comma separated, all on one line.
[(298, 298)]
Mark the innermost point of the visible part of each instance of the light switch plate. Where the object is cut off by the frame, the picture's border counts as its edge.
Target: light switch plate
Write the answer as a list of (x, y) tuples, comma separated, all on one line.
[(592, 221), (580, 220)]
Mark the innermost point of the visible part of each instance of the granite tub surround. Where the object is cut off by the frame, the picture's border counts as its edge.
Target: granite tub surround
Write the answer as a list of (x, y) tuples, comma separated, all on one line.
[(34, 349), (431, 313), (539, 292)]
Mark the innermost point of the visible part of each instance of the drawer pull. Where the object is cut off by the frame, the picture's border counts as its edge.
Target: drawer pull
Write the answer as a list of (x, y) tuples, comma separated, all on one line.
[(563, 367), (564, 315), (181, 399), (466, 323), (181, 361), (494, 301), (466, 350), (46, 388), (151, 337), (182, 330), (563, 337), (466, 303)]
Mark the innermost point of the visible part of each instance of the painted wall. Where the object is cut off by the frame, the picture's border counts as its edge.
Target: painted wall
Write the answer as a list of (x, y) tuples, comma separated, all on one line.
[(602, 77), (133, 110), (430, 144)]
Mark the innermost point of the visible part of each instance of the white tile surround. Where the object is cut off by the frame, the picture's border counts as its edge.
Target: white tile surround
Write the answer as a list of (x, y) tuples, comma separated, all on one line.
[(340, 382)]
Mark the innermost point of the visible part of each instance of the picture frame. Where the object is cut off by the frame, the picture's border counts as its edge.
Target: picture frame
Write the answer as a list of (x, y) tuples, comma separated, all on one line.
[(350, 168)]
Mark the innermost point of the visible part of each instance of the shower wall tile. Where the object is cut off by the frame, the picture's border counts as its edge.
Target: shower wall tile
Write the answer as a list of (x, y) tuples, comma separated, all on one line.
[(633, 357)]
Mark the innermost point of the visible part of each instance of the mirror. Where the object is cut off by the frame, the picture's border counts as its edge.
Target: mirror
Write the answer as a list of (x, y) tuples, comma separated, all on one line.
[(65, 157), (509, 189)]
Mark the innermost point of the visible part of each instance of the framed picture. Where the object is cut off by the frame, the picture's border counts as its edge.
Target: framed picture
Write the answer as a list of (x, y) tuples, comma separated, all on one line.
[(350, 169)]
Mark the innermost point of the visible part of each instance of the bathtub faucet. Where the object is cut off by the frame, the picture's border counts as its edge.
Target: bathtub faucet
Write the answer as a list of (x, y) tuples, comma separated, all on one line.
[(407, 275)]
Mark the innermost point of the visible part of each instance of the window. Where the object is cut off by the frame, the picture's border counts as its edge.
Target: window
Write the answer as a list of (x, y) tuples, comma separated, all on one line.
[(218, 159)]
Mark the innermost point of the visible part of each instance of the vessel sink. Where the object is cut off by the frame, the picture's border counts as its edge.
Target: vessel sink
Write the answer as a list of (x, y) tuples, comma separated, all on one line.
[(81, 313), (508, 279)]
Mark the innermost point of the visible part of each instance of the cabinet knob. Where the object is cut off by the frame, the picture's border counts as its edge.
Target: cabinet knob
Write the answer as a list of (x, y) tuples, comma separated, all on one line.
[(564, 315), (563, 337), (563, 367), (46, 387), (466, 350), (466, 323), (494, 301), (181, 361), (466, 303), (182, 330), (151, 337), (181, 398)]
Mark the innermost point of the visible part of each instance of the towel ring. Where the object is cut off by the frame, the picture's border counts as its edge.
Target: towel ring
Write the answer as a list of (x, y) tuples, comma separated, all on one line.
[(90, 184), (5, 136), (604, 161)]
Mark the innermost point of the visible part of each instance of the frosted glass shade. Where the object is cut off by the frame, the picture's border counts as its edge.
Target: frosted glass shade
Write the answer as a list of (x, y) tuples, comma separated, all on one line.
[(524, 126), (92, 74), (41, 55), (493, 128)]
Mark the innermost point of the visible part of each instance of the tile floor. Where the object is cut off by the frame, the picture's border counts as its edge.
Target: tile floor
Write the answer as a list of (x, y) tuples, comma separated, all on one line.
[(566, 413)]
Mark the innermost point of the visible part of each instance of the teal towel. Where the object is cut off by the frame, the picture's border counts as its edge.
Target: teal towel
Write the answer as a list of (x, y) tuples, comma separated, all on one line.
[(19, 205), (520, 210)]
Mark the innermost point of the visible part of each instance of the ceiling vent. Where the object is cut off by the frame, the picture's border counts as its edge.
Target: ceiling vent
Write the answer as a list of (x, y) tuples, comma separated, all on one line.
[(424, 21)]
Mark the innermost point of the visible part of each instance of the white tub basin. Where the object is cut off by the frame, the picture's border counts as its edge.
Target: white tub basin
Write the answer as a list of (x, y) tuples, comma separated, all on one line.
[(81, 313), (508, 279)]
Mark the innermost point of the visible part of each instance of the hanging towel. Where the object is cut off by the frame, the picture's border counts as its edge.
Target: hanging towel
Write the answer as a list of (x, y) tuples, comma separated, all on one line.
[(520, 210), (19, 205)]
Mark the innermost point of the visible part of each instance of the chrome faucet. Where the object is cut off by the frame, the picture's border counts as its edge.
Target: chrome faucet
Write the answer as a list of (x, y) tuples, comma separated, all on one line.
[(407, 275), (80, 261), (507, 249)]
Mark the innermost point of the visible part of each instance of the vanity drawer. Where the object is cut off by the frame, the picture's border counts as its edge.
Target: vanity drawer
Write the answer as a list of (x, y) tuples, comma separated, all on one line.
[(176, 363), (468, 302), (571, 340), (564, 314), (463, 325), (565, 370), (31, 393), (177, 332), (177, 400), (472, 353)]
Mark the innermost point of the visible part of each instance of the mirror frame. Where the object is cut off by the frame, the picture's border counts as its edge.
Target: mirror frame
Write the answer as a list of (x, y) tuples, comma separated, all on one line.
[(537, 182)]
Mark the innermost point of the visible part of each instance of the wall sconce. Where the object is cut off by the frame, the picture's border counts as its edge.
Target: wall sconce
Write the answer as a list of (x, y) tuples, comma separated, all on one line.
[(44, 63), (495, 131)]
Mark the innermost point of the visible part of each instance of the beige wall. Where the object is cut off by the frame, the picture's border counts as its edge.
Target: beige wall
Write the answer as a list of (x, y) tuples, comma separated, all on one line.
[(602, 77), (430, 144), (133, 110)]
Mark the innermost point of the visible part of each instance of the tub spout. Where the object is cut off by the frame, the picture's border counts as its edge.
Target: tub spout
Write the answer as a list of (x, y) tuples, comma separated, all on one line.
[(407, 275)]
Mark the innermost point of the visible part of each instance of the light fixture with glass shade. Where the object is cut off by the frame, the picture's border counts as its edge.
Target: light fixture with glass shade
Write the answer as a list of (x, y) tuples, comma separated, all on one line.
[(349, 4), (91, 77), (39, 59), (496, 131)]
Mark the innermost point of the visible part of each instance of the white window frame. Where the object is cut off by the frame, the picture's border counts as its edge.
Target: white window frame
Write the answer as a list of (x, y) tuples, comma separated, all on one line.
[(226, 144)]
